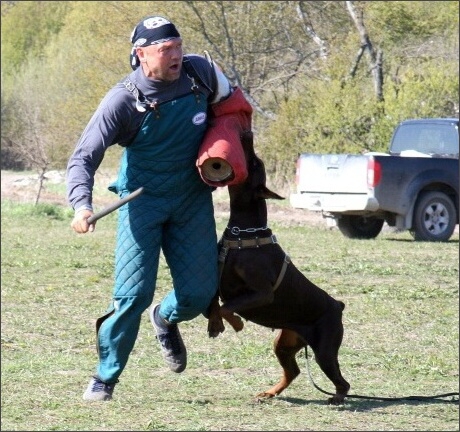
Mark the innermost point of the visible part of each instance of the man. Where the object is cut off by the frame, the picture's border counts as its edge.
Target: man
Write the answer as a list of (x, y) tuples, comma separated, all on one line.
[(159, 114)]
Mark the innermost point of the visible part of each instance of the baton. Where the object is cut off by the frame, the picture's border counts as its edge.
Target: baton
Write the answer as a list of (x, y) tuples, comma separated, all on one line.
[(115, 206)]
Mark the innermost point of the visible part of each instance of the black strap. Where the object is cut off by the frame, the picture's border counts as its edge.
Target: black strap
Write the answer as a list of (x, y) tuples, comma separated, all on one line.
[(193, 74), (142, 103)]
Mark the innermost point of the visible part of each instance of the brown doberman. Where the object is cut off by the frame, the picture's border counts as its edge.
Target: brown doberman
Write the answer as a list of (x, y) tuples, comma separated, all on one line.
[(259, 282)]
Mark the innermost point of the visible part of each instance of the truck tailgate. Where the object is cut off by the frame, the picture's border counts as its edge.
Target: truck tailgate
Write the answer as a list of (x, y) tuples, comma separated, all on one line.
[(332, 173), (333, 182)]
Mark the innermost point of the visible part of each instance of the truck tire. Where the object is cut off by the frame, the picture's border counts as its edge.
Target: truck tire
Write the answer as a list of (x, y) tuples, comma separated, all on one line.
[(435, 217), (360, 227)]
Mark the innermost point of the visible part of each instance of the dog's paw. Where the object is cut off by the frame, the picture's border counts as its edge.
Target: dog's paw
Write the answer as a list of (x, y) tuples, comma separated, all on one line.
[(214, 334), (235, 321), (215, 327), (336, 400), (263, 397)]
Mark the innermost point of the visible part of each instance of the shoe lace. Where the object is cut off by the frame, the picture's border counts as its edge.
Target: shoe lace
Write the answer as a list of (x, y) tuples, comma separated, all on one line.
[(99, 386), (170, 340)]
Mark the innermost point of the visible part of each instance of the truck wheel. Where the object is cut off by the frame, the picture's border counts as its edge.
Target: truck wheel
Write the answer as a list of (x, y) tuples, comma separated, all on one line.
[(360, 227), (434, 217)]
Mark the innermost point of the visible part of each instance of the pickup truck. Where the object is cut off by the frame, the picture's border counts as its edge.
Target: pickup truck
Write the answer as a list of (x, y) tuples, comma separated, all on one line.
[(414, 187)]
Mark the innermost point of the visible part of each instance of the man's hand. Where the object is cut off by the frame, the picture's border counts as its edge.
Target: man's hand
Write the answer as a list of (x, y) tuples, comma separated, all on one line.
[(80, 221)]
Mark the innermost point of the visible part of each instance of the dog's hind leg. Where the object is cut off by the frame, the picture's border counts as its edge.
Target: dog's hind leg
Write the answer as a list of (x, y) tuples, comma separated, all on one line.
[(286, 345), (325, 345)]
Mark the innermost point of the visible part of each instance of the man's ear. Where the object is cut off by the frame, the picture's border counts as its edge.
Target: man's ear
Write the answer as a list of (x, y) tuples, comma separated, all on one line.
[(264, 192), (140, 54)]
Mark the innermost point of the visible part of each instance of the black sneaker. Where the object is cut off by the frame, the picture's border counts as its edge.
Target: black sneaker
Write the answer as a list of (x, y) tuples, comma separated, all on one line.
[(98, 390), (172, 345)]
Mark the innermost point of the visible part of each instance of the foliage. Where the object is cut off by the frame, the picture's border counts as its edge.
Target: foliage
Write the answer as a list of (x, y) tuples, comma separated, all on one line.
[(339, 115), (435, 96), (401, 337), (40, 210), (60, 64), (408, 21), (330, 117), (27, 27)]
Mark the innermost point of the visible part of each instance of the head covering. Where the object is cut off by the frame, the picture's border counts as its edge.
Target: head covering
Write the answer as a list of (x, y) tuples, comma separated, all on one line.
[(150, 31)]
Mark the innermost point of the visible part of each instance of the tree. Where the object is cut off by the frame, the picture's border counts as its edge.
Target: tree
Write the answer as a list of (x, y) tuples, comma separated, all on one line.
[(27, 26), (28, 139), (300, 63), (257, 48), (375, 55), (340, 113)]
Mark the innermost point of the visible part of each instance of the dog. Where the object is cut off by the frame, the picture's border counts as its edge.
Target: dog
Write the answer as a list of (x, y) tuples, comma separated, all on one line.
[(259, 282)]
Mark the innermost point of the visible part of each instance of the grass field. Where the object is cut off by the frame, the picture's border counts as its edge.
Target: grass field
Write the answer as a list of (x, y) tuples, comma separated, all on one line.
[(401, 337)]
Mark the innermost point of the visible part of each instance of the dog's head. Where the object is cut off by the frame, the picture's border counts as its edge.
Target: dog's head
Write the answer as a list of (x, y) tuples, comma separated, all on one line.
[(254, 187), (257, 176)]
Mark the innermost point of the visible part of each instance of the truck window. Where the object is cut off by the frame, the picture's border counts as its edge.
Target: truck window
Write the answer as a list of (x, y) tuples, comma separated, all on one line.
[(449, 141), (429, 139)]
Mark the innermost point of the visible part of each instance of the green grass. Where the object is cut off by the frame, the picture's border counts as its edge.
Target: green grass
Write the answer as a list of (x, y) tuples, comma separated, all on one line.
[(401, 337)]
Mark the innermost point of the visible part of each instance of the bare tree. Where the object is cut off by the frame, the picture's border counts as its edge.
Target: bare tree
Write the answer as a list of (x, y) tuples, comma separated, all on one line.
[(375, 55), (32, 148), (307, 26), (27, 137), (263, 46)]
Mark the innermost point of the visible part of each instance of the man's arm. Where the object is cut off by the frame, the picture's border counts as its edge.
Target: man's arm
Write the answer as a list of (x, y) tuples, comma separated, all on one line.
[(108, 125)]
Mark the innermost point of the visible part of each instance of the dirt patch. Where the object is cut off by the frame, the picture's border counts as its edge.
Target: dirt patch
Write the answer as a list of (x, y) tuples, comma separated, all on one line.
[(23, 187), (278, 213)]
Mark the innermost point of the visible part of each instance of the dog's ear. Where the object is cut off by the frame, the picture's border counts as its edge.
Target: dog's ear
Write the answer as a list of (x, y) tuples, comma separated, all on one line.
[(264, 192)]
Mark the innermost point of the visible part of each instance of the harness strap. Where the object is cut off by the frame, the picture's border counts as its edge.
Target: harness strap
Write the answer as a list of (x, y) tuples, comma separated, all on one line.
[(142, 104), (286, 262), (131, 87)]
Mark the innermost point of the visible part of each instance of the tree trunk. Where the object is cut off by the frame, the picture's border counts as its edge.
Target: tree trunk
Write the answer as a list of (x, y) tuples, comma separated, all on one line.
[(375, 55)]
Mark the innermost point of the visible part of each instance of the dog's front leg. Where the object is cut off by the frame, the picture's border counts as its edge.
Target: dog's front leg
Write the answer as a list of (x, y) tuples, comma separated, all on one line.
[(215, 314), (215, 323), (234, 320), (249, 300)]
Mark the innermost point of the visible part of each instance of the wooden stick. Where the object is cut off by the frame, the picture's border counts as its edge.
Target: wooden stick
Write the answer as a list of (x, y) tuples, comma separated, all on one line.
[(115, 206)]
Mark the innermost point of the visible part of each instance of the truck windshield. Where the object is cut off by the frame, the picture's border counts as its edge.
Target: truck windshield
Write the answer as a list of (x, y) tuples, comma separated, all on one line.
[(426, 138)]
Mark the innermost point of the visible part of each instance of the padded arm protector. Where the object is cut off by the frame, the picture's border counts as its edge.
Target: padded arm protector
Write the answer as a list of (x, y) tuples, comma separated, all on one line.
[(223, 87), (221, 160)]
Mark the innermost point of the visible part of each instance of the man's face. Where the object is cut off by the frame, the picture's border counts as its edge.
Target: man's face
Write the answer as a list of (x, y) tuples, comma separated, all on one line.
[(162, 61)]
